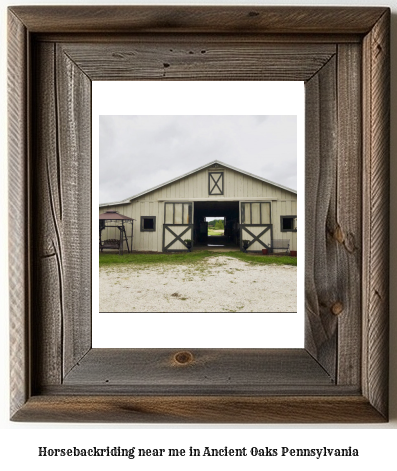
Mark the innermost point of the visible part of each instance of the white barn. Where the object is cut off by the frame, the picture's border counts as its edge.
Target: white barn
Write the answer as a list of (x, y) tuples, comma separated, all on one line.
[(255, 210)]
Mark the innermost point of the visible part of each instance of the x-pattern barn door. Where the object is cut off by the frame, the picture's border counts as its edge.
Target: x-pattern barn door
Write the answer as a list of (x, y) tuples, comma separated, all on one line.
[(178, 227), (258, 236), (256, 225)]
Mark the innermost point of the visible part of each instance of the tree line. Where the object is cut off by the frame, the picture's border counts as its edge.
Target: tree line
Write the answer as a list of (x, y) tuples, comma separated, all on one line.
[(216, 224)]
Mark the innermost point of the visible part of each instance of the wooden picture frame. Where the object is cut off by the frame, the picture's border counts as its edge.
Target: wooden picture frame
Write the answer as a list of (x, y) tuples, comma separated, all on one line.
[(342, 54)]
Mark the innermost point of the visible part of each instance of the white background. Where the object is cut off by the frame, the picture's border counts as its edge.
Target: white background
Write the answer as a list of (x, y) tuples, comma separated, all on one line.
[(258, 330), (19, 442)]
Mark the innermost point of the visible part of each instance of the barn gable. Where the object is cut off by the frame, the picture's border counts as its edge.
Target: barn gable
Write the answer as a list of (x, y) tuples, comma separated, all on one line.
[(254, 209), (215, 165)]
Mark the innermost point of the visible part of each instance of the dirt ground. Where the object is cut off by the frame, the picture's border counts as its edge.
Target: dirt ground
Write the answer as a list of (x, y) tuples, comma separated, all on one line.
[(218, 284)]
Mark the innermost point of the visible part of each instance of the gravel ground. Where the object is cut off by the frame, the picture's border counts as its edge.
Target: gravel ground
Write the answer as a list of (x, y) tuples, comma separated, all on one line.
[(217, 284)]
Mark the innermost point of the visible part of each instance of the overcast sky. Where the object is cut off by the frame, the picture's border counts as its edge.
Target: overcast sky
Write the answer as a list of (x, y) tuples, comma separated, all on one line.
[(137, 153)]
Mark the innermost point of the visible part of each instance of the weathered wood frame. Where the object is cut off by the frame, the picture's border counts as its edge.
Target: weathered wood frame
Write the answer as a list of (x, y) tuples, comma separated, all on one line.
[(343, 56)]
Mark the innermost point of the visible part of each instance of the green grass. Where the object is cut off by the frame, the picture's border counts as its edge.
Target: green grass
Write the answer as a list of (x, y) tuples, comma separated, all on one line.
[(215, 233), (153, 258), (262, 259), (108, 259)]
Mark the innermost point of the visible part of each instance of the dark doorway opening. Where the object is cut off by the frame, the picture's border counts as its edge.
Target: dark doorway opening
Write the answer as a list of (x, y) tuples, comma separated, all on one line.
[(228, 211)]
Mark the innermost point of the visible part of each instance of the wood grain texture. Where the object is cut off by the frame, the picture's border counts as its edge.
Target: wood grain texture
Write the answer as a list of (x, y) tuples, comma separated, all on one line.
[(204, 60), (231, 370), (19, 226), (194, 39), (62, 255), (376, 92), (347, 274), (74, 143), (198, 19), (346, 227), (48, 302), (321, 277), (199, 409), (334, 216)]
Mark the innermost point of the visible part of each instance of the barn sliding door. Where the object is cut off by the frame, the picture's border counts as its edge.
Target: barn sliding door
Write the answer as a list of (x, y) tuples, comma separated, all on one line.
[(256, 227), (178, 227)]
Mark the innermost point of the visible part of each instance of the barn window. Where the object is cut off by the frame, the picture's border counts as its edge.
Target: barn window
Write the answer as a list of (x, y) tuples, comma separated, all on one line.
[(288, 223), (148, 223), (178, 213), (255, 213)]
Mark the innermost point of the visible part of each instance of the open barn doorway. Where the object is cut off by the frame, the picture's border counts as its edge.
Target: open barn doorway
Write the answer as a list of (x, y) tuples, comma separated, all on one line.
[(224, 234)]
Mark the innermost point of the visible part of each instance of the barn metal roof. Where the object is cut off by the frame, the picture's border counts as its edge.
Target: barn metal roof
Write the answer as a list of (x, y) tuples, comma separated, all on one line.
[(113, 216), (214, 162)]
